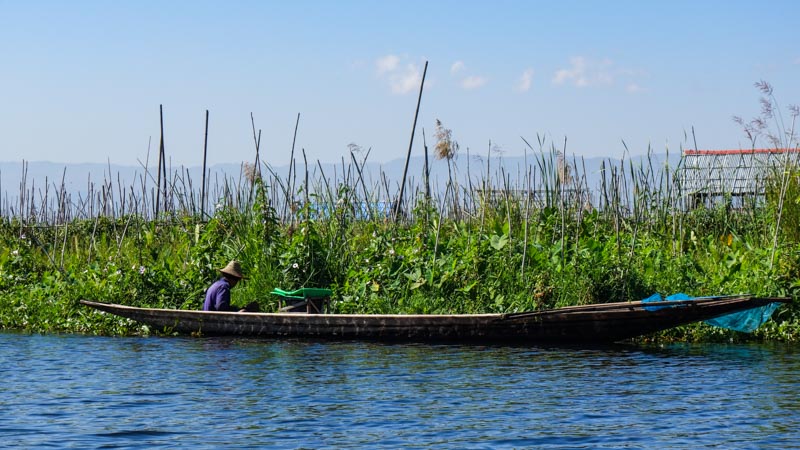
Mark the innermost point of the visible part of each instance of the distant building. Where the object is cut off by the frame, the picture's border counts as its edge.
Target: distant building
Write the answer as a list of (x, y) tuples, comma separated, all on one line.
[(708, 177), (536, 198)]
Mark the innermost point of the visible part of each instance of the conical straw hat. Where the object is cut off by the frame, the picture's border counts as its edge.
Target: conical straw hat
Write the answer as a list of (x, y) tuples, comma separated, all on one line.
[(233, 269)]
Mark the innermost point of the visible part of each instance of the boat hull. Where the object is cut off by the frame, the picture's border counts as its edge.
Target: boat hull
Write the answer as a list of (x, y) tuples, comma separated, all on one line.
[(601, 323)]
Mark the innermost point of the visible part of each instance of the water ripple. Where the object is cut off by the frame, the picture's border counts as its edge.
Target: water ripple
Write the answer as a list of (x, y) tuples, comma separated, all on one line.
[(97, 392)]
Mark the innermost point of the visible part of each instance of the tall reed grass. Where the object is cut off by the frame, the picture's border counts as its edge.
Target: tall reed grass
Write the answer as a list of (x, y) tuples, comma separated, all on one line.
[(488, 238)]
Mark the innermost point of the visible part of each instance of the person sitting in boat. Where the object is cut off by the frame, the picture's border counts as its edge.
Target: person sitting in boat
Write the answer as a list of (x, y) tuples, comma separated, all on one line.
[(218, 295)]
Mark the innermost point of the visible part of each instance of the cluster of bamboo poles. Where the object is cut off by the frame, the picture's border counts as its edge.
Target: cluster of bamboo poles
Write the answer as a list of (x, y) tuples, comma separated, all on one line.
[(640, 193), (545, 179)]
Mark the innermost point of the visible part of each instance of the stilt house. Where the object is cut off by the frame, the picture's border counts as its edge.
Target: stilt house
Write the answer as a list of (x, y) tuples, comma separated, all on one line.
[(735, 177)]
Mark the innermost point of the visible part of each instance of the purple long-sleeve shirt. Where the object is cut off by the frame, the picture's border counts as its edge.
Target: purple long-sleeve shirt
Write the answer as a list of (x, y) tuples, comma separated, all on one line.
[(218, 296)]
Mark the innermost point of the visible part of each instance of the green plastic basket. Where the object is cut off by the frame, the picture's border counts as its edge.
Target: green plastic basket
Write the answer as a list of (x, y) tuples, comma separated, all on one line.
[(303, 293)]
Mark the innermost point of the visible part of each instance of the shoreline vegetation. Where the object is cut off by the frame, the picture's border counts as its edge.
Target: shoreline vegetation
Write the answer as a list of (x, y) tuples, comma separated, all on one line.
[(467, 249), (470, 244)]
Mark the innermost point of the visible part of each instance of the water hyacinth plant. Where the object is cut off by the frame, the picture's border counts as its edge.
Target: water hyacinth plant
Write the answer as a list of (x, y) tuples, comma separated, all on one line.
[(490, 242)]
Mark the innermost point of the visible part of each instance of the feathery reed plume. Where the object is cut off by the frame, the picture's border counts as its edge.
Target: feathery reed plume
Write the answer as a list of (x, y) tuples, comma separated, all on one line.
[(563, 170), (251, 172), (446, 147)]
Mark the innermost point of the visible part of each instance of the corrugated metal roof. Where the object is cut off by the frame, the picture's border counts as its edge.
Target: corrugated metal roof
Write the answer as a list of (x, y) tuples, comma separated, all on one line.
[(731, 172)]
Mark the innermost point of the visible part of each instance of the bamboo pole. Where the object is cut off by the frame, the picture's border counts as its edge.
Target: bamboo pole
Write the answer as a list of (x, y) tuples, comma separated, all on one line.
[(160, 160), (289, 178), (410, 144), (203, 187), (426, 170)]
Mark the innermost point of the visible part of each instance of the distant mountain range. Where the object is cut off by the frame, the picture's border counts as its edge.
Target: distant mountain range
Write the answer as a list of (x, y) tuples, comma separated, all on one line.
[(32, 177)]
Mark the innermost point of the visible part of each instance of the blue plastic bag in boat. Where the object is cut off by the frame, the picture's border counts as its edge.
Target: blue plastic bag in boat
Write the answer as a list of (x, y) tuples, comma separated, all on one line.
[(655, 298)]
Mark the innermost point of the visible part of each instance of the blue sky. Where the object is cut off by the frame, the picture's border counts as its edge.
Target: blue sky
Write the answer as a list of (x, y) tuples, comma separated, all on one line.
[(82, 81)]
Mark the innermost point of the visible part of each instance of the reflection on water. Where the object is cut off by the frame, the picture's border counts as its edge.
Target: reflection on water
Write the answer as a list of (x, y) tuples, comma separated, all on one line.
[(82, 392)]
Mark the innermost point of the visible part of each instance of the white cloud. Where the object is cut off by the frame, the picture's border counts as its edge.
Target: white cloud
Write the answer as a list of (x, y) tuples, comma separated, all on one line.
[(524, 83), (406, 80), (387, 63), (467, 82), (402, 77), (634, 88), (473, 82), (584, 72)]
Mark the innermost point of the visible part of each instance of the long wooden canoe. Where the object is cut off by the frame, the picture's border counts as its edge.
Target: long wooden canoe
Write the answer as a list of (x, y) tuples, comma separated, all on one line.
[(601, 323)]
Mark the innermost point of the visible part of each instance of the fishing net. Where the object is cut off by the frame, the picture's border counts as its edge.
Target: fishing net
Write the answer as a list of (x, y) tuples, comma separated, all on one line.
[(745, 321)]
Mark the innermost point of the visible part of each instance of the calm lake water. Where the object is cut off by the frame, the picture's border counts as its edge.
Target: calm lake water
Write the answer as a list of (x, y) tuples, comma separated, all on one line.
[(98, 392)]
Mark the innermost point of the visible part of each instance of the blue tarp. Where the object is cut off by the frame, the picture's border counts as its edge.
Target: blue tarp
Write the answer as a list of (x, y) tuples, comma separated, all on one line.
[(745, 321)]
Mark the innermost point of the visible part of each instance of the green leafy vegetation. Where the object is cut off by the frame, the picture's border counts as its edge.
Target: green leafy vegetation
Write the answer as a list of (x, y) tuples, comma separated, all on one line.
[(546, 240), (500, 254)]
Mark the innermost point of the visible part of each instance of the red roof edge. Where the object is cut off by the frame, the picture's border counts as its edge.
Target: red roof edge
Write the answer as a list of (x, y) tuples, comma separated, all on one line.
[(740, 152)]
